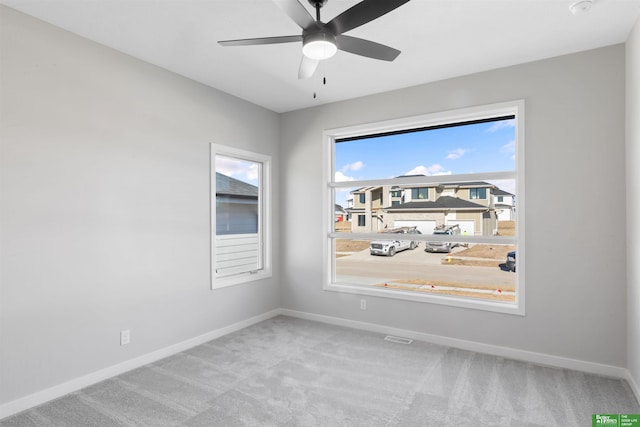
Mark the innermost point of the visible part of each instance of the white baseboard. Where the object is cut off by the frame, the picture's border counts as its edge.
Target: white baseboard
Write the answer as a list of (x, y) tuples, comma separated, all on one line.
[(634, 385), (76, 384), (510, 353)]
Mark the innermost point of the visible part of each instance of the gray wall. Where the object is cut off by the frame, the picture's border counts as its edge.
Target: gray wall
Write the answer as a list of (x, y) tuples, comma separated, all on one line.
[(633, 203), (576, 280), (105, 206)]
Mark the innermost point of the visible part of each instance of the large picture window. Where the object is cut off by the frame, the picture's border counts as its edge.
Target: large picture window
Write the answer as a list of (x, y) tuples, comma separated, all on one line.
[(453, 236), (240, 220)]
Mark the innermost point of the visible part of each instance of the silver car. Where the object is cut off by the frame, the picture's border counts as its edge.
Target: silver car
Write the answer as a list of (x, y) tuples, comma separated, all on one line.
[(443, 246)]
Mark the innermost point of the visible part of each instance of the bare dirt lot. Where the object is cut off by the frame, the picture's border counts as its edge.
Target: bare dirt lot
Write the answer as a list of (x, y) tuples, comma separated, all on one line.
[(343, 227), (348, 245), (506, 228), (480, 255)]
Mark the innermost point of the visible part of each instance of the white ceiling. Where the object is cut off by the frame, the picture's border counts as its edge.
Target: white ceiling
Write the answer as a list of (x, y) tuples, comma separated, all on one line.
[(439, 39)]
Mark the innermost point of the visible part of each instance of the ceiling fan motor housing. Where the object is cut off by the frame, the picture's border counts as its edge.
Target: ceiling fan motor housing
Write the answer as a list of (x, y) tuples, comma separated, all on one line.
[(319, 44)]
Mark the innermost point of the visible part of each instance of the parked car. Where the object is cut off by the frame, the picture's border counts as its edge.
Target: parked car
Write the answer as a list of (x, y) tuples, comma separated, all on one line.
[(399, 242), (449, 230), (511, 261)]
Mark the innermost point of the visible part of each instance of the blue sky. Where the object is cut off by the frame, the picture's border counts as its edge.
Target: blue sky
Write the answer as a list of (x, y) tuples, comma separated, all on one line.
[(483, 147)]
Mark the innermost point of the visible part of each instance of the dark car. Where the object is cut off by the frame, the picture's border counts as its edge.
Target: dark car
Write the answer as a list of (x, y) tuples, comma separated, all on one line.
[(511, 261)]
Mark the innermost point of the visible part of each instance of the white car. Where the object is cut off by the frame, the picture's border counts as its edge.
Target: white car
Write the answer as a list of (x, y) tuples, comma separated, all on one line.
[(397, 243)]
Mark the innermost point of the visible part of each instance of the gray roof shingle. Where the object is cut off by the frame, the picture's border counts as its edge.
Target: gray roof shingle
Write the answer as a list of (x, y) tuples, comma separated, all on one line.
[(500, 192), (442, 203), (226, 185)]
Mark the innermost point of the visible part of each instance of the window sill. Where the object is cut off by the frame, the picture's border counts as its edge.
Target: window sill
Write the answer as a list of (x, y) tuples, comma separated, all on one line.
[(477, 304), (224, 282)]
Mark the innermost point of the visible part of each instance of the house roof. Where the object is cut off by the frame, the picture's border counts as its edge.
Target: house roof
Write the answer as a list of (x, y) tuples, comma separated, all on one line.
[(443, 203), (226, 185), (451, 184), (499, 192), (469, 184), (339, 208)]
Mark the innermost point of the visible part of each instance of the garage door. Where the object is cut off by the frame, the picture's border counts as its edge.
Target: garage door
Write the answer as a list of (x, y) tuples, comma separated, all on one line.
[(425, 227), (467, 226)]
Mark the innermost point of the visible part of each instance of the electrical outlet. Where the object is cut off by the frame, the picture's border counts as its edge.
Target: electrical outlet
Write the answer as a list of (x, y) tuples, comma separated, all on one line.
[(125, 337), (363, 304)]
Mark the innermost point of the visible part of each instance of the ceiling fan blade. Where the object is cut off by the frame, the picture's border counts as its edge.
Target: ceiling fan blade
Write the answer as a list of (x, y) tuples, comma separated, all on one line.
[(262, 40), (361, 13), (307, 67), (366, 48), (297, 12)]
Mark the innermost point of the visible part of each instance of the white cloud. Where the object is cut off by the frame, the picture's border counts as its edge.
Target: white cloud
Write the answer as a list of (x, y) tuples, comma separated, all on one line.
[(509, 148), (432, 170), (243, 170), (456, 154), (252, 172), (355, 166), (502, 124), (340, 177)]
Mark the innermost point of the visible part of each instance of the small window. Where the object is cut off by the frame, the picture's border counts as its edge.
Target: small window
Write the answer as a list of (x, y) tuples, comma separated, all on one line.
[(419, 193), (240, 220), (362, 198), (500, 199), (477, 193), (396, 193), (395, 202), (361, 220)]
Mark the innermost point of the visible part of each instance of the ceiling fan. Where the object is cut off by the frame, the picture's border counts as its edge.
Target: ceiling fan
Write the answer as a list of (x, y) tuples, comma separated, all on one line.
[(322, 40)]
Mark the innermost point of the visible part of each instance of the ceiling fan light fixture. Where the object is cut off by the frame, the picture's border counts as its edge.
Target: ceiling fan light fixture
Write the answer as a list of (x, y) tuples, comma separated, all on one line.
[(319, 46)]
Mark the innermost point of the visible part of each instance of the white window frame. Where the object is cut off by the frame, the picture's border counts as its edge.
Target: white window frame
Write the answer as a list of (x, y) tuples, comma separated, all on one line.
[(455, 116), (264, 217)]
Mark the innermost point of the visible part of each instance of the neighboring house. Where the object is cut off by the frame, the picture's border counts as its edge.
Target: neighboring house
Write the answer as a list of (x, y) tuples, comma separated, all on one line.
[(467, 204), (236, 206), (366, 211), (340, 213), (505, 205)]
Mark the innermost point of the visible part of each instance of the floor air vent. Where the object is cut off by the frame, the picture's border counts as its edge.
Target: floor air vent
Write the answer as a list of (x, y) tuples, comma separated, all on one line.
[(398, 340)]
